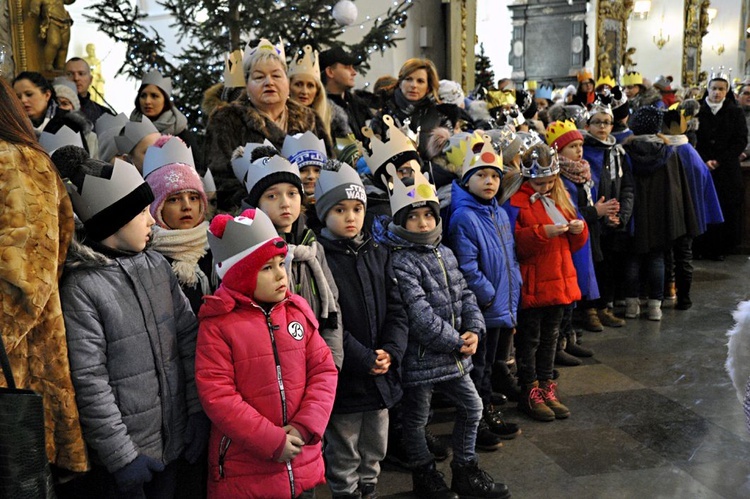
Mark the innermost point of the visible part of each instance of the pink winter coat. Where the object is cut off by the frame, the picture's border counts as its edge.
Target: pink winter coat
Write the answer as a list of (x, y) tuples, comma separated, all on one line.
[(239, 390)]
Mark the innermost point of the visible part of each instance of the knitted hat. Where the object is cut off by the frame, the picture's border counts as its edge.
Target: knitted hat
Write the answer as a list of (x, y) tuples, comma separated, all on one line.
[(486, 158), (336, 185), (450, 92), (107, 127), (266, 171), (66, 88), (646, 120), (105, 197), (304, 149), (562, 133), (241, 246)]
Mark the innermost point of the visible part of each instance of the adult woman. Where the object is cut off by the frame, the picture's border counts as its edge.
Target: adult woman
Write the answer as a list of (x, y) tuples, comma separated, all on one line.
[(415, 98), (264, 111), (306, 88), (36, 225), (39, 101), (722, 137)]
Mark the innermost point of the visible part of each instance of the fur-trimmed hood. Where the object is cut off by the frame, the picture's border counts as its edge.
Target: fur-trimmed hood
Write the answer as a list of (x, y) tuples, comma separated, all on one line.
[(646, 97)]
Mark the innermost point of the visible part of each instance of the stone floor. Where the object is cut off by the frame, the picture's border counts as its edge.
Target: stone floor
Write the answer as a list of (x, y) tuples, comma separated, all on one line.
[(654, 414)]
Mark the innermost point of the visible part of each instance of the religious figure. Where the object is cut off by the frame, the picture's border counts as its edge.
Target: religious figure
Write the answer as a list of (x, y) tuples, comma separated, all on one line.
[(54, 30), (605, 66), (627, 59), (97, 80)]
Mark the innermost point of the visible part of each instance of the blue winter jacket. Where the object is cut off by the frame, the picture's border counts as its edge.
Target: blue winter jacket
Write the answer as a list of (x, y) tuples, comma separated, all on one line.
[(482, 240), (439, 305)]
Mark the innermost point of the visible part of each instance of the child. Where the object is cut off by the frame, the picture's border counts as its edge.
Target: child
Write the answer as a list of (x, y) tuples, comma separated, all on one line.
[(375, 335), (265, 377), (274, 186), (131, 336), (547, 233), (179, 209), (445, 325), (481, 238)]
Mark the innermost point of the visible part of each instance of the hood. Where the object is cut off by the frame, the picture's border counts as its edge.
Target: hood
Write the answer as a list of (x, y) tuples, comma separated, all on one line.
[(647, 153), (82, 256), (590, 140), (223, 301), (647, 97), (212, 99), (382, 235), (461, 198)]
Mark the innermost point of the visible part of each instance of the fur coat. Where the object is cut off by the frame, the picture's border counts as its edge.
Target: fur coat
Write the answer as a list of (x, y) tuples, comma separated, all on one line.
[(36, 226)]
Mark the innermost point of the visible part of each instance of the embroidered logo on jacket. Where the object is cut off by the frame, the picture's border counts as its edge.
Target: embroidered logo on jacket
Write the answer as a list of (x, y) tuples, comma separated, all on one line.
[(296, 330)]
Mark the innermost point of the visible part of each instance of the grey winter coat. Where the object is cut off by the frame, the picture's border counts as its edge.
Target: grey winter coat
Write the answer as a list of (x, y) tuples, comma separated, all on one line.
[(131, 342)]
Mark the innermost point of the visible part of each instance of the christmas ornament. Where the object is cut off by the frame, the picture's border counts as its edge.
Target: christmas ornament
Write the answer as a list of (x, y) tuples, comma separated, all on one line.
[(345, 12)]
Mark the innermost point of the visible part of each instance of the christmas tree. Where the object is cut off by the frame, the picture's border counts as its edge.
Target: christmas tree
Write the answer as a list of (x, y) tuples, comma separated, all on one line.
[(483, 75), (210, 28)]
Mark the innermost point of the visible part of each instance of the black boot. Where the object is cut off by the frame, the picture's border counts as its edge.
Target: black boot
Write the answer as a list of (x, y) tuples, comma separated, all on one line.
[(498, 426), (429, 483), (504, 382), (439, 450), (486, 440), (683, 295), (470, 481)]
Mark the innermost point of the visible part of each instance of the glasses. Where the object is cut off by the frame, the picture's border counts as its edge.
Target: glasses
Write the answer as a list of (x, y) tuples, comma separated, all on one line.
[(745, 93), (600, 123)]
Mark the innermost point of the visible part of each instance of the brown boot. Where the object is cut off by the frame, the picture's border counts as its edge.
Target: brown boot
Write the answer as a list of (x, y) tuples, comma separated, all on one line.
[(608, 318), (532, 403), (549, 392), (591, 321)]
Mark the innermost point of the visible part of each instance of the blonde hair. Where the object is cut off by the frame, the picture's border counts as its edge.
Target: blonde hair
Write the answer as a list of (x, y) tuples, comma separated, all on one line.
[(260, 56), (558, 194), (414, 64), (319, 104)]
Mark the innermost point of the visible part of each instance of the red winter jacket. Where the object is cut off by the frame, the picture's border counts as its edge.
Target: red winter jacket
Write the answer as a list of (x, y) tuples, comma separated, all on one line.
[(239, 390), (549, 277)]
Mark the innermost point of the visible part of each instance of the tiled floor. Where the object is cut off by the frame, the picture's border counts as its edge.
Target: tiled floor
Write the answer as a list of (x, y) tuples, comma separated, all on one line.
[(654, 414)]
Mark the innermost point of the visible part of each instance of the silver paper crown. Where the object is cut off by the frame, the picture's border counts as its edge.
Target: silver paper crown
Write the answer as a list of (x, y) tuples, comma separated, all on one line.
[(241, 234), (209, 185), (133, 132), (263, 46), (346, 175), (241, 163), (599, 106), (721, 74), (99, 193), (154, 77), (307, 64), (486, 158), (108, 122), (263, 167), (403, 196), (234, 76), (538, 171), (305, 149), (172, 151), (383, 152), (529, 139), (65, 136)]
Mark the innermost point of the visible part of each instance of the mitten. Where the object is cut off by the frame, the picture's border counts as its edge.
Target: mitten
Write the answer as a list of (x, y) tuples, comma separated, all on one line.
[(196, 436), (139, 471)]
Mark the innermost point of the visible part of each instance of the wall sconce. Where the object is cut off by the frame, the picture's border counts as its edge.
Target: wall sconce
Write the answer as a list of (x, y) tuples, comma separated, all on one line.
[(641, 9), (661, 41), (718, 48)]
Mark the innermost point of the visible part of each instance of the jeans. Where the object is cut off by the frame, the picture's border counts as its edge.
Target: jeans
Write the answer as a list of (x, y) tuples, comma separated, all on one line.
[(536, 342), (652, 264), (483, 360), (415, 407)]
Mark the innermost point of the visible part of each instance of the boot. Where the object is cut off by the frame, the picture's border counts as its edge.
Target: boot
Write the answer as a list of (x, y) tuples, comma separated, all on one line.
[(439, 450), (632, 308), (654, 310), (608, 318), (429, 483), (670, 293), (683, 295), (396, 453), (533, 405), (505, 384), (469, 480), (591, 321), (368, 491), (486, 440), (574, 347), (549, 392), (563, 358), (494, 420)]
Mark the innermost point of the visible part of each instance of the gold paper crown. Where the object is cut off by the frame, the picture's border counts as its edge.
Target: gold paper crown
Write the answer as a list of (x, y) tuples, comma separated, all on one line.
[(383, 152), (234, 77), (557, 129), (529, 85), (403, 196), (307, 64), (457, 146), (605, 80), (585, 74), (501, 98), (486, 158), (632, 78), (263, 46)]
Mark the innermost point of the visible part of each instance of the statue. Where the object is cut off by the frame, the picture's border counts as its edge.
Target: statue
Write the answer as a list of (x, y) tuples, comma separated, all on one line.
[(96, 89), (605, 67), (627, 59), (54, 30)]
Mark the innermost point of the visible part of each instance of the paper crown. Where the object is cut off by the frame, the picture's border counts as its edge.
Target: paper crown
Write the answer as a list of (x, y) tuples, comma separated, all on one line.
[(307, 64), (561, 133), (65, 136), (605, 81), (346, 149), (403, 196), (209, 185), (721, 74), (172, 151), (384, 152), (304, 149), (530, 85), (501, 98), (486, 158), (98, 193), (132, 133), (457, 146), (264, 167), (263, 46), (108, 122), (601, 105), (234, 76), (632, 78), (535, 170), (585, 74), (241, 164), (674, 122), (154, 77), (544, 92), (528, 140), (346, 177)]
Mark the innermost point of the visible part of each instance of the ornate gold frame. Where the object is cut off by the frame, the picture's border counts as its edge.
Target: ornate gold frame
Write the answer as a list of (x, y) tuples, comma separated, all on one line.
[(696, 27), (27, 48), (611, 36)]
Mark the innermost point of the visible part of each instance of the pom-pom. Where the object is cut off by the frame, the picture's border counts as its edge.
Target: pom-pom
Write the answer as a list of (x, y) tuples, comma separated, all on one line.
[(74, 163), (219, 224), (164, 139), (263, 152), (333, 165), (439, 137)]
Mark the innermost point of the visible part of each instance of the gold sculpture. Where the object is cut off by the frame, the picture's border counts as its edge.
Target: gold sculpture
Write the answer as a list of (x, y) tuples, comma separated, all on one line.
[(54, 30), (96, 90), (612, 35), (696, 27)]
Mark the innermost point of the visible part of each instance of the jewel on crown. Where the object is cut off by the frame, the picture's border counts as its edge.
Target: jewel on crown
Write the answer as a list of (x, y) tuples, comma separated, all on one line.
[(538, 171), (383, 152), (485, 158), (557, 129), (403, 196), (263, 46)]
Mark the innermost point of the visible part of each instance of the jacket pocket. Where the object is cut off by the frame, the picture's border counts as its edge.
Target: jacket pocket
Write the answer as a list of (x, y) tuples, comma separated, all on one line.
[(529, 279)]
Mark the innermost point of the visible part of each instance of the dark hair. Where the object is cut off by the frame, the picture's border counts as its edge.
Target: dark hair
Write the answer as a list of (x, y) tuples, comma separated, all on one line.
[(167, 101), (15, 126), (40, 82)]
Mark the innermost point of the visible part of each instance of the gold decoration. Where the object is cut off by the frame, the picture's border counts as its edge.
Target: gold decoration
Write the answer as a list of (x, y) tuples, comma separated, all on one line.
[(612, 35), (696, 27), (463, 43), (96, 89), (54, 30)]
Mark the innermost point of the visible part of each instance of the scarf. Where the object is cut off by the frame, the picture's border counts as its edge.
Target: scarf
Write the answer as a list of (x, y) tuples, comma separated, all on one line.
[(170, 122), (308, 254), (354, 242), (429, 238), (715, 106), (550, 207), (410, 107), (578, 172), (48, 115), (185, 248)]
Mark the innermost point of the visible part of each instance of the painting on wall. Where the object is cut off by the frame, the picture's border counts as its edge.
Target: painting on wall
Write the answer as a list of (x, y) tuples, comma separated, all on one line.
[(612, 36)]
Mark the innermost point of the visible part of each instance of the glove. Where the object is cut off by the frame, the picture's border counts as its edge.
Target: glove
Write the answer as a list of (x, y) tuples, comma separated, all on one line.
[(196, 436), (139, 471)]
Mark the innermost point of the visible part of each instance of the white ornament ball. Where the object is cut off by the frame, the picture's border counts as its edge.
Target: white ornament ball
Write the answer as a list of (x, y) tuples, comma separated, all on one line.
[(345, 12)]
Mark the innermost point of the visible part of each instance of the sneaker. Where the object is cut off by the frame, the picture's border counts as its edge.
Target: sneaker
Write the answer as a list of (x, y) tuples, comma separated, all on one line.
[(439, 450), (429, 483), (469, 480), (632, 308), (608, 318), (591, 321), (533, 405), (654, 310), (367, 491), (494, 420), (486, 440), (549, 393)]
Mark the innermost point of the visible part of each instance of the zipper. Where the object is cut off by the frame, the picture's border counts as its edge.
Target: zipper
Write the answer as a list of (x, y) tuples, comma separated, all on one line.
[(223, 448), (453, 315), (507, 265)]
